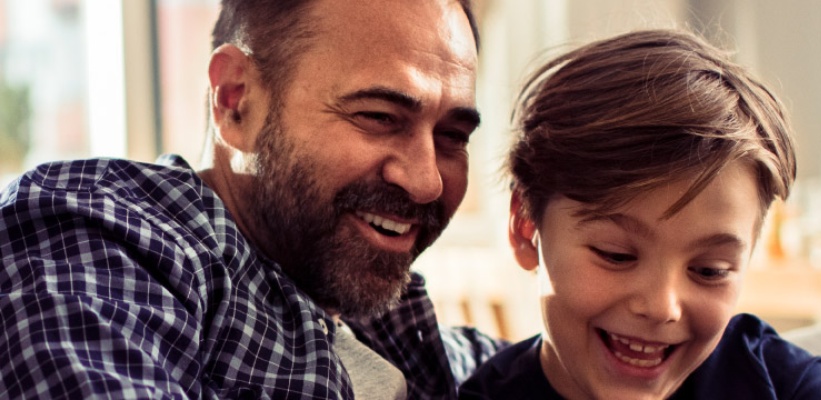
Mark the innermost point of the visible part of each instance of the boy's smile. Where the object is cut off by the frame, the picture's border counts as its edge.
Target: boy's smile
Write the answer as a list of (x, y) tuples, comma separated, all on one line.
[(636, 352)]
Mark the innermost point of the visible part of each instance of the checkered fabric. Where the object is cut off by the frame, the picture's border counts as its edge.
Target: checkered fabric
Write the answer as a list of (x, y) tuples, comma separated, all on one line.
[(129, 280)]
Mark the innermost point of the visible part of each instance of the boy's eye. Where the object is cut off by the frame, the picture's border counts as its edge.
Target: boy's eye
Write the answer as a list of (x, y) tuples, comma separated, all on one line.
[(613, 257), (709, 273)]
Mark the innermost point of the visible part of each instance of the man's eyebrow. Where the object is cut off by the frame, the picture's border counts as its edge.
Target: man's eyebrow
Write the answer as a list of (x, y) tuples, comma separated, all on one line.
[(466, 115), (385, 94), (636, 226)]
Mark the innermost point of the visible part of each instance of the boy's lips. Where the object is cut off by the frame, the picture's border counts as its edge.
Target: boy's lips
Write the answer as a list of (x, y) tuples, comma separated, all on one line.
[(636, 352)]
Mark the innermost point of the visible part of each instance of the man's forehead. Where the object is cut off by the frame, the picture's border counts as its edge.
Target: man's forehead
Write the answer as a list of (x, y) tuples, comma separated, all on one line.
[(383, 19), (419, 49)]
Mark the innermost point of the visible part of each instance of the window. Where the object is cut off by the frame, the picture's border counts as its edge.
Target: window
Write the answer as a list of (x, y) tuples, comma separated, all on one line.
[(43, 86), (184, 44)]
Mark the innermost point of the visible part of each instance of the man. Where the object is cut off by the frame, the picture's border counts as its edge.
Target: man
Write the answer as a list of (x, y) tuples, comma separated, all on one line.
[(339, 135)]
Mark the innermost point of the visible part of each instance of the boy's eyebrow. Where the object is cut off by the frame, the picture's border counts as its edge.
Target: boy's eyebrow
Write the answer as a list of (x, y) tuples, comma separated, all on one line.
[(466, 115), (638, 227), (626, 222), (720, 239)]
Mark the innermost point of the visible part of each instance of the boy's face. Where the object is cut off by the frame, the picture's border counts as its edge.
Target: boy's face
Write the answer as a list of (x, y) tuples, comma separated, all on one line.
[(638, 301)]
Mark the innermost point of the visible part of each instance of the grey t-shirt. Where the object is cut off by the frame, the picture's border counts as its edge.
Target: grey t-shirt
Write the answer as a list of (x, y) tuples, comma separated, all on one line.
[(372, 376)]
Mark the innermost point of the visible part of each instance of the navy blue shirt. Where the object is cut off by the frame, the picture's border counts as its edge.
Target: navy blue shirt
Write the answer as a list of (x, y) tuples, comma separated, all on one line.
[(751, 362), (126, 280)]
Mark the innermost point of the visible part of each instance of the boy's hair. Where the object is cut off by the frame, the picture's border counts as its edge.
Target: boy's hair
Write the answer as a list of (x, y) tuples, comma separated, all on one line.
[(619, 117)]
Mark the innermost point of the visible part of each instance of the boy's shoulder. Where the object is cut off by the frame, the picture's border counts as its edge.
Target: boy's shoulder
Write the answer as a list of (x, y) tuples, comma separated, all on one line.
[(752, 361), (513, 373)]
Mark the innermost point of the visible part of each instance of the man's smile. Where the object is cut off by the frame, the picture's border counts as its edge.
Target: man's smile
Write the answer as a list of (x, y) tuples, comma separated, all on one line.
[(386, 233), (385, 225)]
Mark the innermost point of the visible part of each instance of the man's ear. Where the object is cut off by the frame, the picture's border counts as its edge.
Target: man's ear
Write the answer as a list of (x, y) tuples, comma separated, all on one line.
[(230, 77), (521, 233)]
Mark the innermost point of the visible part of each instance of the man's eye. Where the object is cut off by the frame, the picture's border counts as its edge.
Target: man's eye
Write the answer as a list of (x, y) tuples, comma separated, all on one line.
[(375, 116), (455, 138), (614, 258)]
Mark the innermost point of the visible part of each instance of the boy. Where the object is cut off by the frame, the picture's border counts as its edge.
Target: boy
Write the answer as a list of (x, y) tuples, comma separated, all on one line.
[(644, 170)]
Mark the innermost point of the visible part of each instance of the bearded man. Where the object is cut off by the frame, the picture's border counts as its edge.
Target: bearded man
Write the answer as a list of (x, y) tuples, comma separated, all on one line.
[(338, 153)]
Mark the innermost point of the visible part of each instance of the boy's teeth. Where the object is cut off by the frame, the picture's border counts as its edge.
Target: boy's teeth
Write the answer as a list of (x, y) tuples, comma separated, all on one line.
[(384, 223), (637, 362), (638, 347)]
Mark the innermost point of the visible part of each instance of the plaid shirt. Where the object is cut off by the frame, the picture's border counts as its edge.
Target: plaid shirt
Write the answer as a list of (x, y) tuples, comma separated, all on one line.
[(129, 280)]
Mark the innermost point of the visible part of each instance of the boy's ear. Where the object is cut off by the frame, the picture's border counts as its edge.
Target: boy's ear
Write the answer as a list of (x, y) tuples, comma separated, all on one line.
[(521, 232), (230, 77)]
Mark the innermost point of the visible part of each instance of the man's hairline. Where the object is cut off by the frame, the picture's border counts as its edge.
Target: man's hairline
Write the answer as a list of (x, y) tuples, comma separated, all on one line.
[(308, 37)]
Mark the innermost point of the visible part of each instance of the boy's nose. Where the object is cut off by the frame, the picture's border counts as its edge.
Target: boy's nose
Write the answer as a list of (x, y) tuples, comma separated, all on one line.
[(658, 300)]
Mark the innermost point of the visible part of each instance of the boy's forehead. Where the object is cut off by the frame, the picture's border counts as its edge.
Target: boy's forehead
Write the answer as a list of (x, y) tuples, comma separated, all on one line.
[(727, 210)]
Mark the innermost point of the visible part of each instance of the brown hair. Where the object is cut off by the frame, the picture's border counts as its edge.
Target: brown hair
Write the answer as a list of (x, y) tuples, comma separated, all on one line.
[(622, 116), (275, 33)]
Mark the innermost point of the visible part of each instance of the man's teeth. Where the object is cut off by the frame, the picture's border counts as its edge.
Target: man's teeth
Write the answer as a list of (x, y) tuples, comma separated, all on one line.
[(384, 223)]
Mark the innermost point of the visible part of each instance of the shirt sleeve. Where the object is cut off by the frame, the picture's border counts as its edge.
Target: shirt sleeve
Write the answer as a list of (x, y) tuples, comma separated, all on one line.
[(467, 348), (93, 303)]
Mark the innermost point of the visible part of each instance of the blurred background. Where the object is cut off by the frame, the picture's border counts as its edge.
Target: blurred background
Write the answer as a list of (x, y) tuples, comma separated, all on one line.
[(127, 78)]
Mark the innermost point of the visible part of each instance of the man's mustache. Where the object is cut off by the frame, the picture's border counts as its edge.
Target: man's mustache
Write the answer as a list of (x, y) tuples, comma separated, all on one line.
[(390, 199)]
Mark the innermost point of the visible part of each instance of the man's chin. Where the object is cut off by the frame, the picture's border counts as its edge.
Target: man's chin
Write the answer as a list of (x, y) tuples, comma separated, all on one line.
[(371, 296)]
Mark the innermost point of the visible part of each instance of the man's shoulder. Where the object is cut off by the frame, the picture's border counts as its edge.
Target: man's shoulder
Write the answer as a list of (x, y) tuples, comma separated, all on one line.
[(166, 187), (113, 204), (94, 173)]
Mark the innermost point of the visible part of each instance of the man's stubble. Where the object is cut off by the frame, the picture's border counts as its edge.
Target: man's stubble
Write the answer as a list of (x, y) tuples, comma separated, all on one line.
[(338, 268)]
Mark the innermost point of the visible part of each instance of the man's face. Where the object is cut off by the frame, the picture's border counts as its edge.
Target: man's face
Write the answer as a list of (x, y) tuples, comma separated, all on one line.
[(639, 301), (366, 161)]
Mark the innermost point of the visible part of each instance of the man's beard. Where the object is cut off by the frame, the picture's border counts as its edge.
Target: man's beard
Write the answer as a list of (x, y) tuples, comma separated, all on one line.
[(338, 268)]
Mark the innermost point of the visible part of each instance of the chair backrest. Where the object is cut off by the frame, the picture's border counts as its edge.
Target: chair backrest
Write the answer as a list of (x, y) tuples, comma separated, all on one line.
[(807, 337)]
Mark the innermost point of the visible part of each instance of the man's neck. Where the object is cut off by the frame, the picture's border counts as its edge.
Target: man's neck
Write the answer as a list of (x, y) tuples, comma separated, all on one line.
[(230, 186)]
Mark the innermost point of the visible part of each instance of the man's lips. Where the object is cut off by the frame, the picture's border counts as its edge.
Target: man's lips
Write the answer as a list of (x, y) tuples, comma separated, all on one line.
[(385, 225), (387, 234)]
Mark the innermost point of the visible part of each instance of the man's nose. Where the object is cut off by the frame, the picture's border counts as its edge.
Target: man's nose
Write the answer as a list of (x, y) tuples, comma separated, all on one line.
[(413, 167)]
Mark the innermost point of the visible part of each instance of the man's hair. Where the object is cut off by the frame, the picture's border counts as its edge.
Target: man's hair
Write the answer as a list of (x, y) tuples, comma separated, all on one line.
[(619, 117), (275, 33)]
